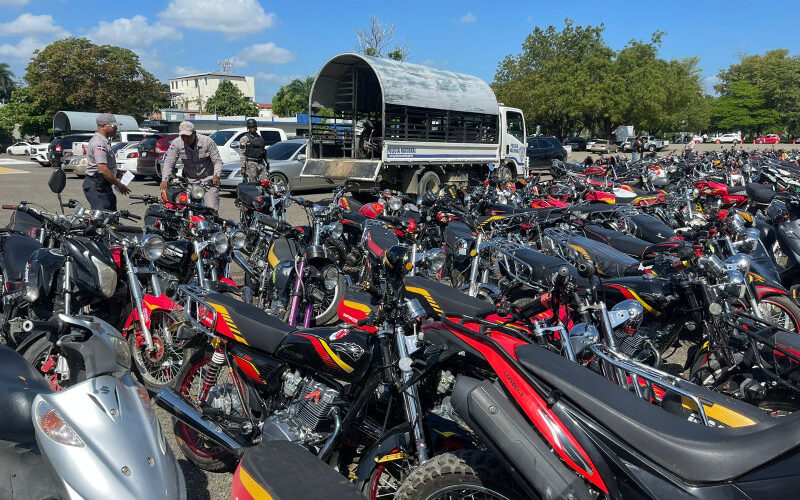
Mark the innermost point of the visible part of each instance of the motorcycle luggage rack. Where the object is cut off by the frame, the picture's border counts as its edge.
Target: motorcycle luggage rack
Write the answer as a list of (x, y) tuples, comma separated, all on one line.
[(517, 268), (645, 377), (191, 297)]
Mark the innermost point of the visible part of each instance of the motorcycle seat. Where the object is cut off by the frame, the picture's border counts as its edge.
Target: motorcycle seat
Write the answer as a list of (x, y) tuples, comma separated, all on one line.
[(760, 193), (648, 228), (608, 261), (17, 249), (19, 385), (628, 244), (249, 324), (736, 189), (247, 193), (437, 298), (692, 451)]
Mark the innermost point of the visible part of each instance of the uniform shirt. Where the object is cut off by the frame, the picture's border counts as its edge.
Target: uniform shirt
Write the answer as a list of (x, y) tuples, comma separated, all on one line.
[(99, 151), (200, 160)]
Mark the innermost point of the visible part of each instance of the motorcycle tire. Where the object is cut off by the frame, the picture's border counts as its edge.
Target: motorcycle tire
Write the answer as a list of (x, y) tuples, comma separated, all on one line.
[(788, 307), (461, 472), (207, 457), (143, 366), (330, 313)]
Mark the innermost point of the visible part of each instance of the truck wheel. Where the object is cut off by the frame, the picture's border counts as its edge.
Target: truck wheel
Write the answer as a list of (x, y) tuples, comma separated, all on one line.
[(652, 148), (428, 182), (503, 174)]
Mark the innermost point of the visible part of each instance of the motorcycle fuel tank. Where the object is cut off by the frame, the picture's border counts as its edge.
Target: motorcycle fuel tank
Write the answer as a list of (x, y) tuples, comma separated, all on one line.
[(343, 353)]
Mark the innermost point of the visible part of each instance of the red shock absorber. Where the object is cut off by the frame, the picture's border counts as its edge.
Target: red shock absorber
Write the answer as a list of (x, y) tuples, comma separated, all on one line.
[(212, 371)]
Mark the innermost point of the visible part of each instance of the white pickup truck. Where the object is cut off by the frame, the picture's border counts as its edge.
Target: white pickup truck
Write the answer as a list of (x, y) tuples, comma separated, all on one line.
[(653, 143)]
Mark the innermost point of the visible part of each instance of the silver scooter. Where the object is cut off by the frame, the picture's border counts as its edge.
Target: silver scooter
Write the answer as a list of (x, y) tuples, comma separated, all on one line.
[(97, 439)]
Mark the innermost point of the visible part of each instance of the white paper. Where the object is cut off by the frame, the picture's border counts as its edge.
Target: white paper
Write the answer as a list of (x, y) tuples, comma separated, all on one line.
[(126, 179)]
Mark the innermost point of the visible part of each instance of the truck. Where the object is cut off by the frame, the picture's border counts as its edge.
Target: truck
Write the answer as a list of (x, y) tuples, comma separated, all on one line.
[(622, 133), (653, 143), (385, 123)]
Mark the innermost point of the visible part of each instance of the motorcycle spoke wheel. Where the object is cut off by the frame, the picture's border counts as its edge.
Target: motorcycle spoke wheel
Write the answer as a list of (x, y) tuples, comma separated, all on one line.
[(159, 367)]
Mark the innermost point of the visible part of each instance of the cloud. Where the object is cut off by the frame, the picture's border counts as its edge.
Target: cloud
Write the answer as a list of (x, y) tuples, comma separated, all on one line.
[(227, 16), (132, 32), (22, 51), (152, 61), (469, 17), (29, 24), (185, 70), (13, 2), (264, 53), (279, 79)]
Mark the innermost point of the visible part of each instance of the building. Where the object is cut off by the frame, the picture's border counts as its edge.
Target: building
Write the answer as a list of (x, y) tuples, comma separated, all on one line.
[(191, 92), (265, 110)]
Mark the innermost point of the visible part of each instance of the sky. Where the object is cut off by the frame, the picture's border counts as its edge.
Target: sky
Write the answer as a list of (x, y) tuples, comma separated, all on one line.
[(279, 41)]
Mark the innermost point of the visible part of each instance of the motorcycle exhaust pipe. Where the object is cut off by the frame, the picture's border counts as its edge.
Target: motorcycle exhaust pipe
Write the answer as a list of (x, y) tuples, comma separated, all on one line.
[(175, 405)]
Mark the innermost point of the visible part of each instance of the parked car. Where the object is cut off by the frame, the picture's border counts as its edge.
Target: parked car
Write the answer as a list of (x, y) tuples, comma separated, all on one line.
[(728, 138), (150, 150), (627, 144), (653, 143), (66, 143), (542, 150), (19, 148), (38, 153), (227, 140), (127, 155), (601, 146), (77, 163), (577, 143), (286, 159), (769, 139)]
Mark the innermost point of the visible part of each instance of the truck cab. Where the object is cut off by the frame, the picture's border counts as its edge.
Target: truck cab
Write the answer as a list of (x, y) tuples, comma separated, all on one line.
[(513, 145)]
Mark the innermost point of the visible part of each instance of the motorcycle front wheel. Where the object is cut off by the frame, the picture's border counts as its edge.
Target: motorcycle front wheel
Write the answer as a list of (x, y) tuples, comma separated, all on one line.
[(157, 368)]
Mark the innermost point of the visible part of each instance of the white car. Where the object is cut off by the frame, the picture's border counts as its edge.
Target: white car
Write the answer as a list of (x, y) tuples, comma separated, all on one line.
[(20, 148), (127, 157), (227, 140), (39, 154), (729, 138)]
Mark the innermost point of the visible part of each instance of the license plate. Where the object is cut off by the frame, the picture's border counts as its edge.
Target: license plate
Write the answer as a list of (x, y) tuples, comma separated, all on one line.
[(143, 154)]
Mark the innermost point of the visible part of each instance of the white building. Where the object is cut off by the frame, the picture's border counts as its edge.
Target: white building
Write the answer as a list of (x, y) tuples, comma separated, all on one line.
[(265, 111), (191, 92)]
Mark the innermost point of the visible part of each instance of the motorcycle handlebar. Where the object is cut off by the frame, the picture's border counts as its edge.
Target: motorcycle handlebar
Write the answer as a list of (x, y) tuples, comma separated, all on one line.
[(10, 207), (51, 325)]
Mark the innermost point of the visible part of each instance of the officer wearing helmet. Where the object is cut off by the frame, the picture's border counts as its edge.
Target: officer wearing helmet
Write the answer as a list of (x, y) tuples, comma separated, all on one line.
[(253, 154)]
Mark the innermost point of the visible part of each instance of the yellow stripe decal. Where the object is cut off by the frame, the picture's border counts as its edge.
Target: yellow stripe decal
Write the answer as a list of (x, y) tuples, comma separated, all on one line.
[(252, 486), (357, 306), (719, 413), (344, 366), (427, 295), (271, 257), (642, 302), (228, 321)]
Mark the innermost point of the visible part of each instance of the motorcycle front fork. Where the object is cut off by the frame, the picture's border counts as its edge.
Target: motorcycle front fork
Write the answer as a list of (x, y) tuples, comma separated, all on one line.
[(411, 398)]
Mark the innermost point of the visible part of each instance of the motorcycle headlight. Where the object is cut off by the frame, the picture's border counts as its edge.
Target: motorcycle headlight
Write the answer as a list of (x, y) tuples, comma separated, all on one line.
[(51, 423), (317, 209), (739, 262), (197, 193), (106, 276), (331, 277), (395, 203), (435, 258), (462, 247), (121, 351), (747, 240), (286, 201), (238, 239), (220, 242), (153, 246), (334, 229)]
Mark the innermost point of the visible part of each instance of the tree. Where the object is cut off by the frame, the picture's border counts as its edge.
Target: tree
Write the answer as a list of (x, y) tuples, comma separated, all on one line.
[(777, 78), (228, 100), (743, 107), (26, 109), (7, 83), (75, 74), (293, 98), (377, 39)]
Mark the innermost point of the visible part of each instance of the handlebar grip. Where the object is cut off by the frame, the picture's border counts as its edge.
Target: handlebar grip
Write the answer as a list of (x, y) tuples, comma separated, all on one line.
[(127, 229), (364, 321), (51, 325), (10, 207), (133, 216)]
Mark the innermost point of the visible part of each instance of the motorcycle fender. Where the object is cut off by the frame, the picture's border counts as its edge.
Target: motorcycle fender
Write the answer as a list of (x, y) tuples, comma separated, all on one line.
[(393, 445), (29, 340), (150, 303), (512, 439), (223, 286), (41, 270), (229, 282)]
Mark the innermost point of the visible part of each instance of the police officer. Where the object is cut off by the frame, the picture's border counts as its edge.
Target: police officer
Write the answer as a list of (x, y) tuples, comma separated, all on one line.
[(201, 162), (101, 169), (255, 164)]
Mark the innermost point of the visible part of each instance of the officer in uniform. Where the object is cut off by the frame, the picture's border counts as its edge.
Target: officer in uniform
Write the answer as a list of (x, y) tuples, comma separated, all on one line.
[(101, 169), (255, 164), (201, 162)]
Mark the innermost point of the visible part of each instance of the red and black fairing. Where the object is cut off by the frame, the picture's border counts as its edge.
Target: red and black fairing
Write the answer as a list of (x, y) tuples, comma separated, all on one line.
[(656, 294), (379, 239), (356, 306), (345, 354), (732, 196), (255, 365)]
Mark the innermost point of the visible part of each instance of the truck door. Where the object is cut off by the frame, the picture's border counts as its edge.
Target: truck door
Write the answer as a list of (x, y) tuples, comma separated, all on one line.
[(513, 139)]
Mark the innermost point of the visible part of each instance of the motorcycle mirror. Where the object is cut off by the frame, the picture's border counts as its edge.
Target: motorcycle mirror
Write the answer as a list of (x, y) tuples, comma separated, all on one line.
[(58, 181)]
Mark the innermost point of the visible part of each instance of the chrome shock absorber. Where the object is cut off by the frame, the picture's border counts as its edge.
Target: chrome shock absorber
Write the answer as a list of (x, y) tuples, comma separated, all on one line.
[(212, 372)]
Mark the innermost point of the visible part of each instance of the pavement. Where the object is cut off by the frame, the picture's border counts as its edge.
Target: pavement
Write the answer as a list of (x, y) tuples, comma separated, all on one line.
[(23, 180)]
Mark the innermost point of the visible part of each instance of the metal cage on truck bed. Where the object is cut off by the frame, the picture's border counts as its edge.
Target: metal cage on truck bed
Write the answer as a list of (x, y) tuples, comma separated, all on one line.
[(367, 113)]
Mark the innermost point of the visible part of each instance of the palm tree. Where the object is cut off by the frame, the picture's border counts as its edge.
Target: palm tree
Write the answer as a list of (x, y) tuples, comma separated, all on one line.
[(7, 83)]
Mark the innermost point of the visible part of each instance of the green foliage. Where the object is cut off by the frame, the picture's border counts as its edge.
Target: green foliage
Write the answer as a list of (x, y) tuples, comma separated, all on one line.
[(571, 79), (76, 75), (293, 98), (7, 83), (26, 109), (228, 100), (743, 107), (776, 78)]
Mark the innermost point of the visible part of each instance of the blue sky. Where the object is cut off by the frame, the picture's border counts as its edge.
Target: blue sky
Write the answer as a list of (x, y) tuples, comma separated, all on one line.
[(276, 41)]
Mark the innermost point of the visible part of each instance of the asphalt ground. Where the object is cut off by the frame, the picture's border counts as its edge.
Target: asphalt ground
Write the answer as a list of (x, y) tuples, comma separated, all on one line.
[(22, 180)]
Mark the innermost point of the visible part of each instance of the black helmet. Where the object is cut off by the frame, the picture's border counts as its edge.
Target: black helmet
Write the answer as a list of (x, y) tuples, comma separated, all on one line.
[(251, 123)]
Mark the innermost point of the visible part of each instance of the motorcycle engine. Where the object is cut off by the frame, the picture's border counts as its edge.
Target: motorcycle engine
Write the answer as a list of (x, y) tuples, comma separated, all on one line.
[(308, 418)]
